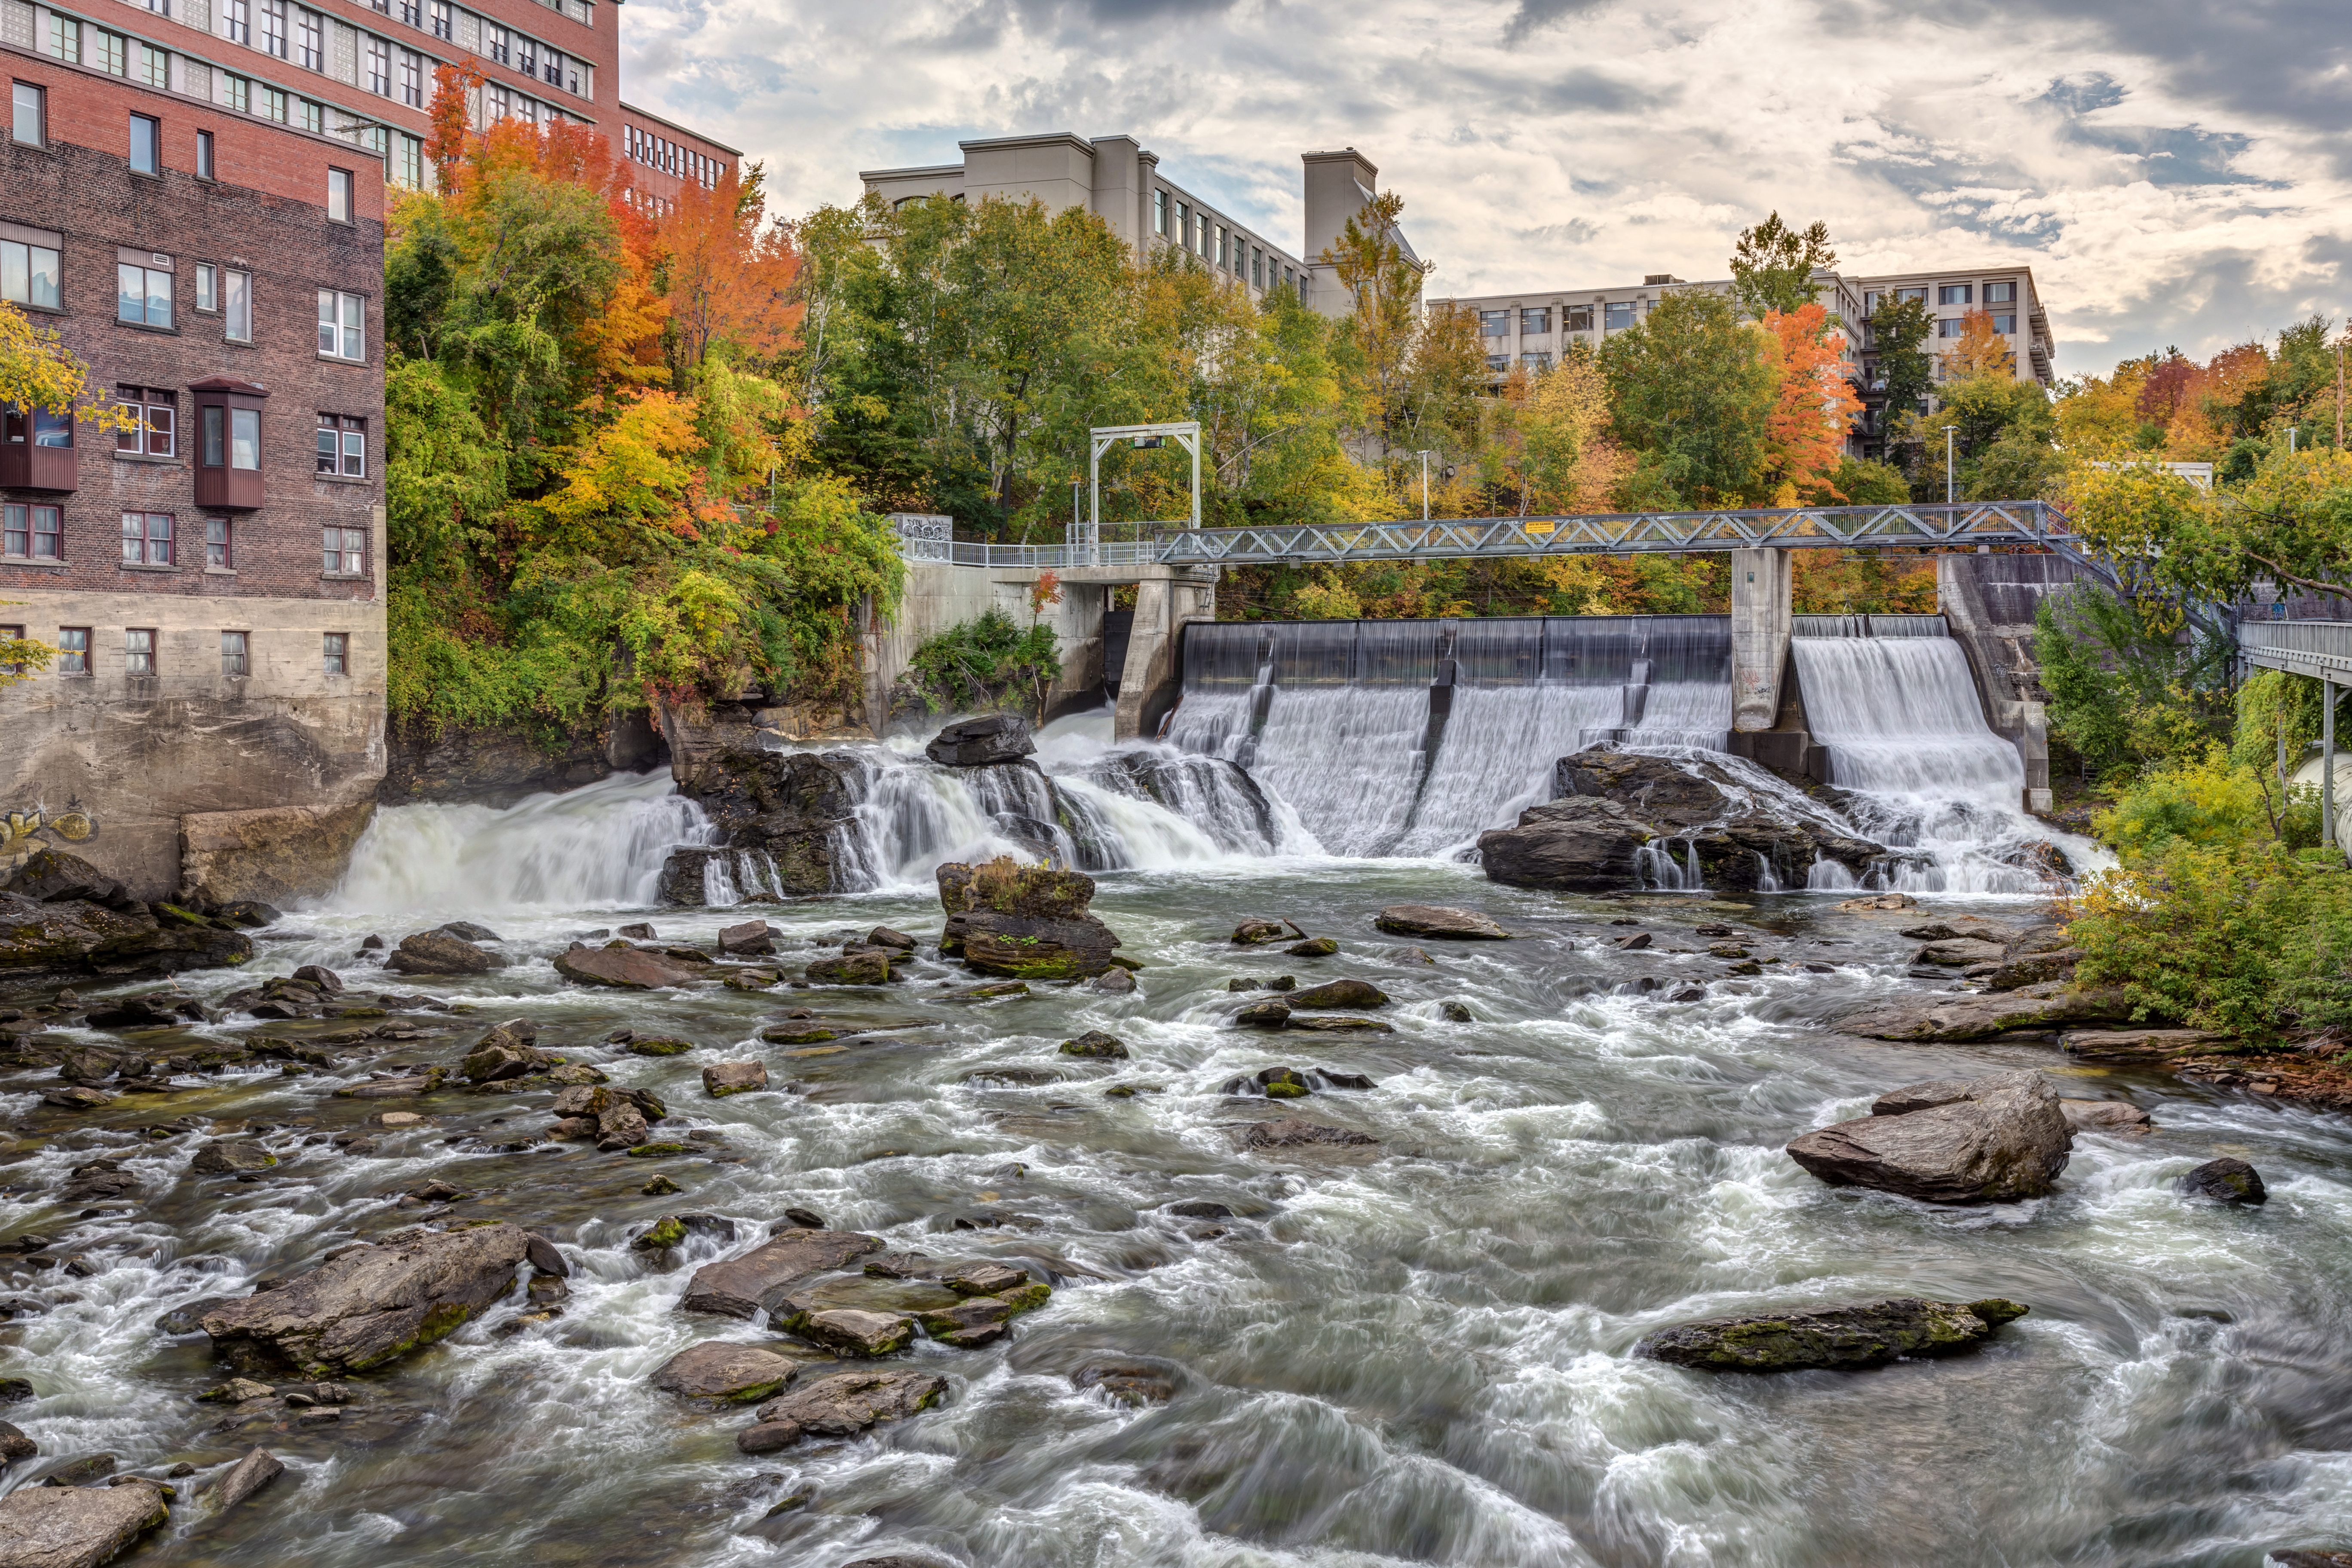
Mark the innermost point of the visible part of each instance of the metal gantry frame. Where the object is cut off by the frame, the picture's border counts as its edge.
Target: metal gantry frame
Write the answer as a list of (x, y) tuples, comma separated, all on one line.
[(1099, 440)]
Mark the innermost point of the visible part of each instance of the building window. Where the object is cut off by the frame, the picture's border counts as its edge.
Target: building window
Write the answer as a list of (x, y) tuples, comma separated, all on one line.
[(30, 117), (236, 658), (138, 650), (442, 28), (236, 18), (526, 55), (1919, 294), (207, 288), (339, 653), (156, 434), (410, 168), (205, 155), (217, 544), (1951, 326), (1576, 317), (273, 27), (2004, 323), (113, 54), (310, 41), (342, 446), (65, 37), (1616, 315), (143, 295), (73, 650), (1493, 323), (1954, 293), (238, 93), (379, 67), (314, 118), (32, 533), (1537, 321), (1160, 213), (1537, 361), (1258, 266), (147, 538), (245, 439), (342, 325), (2000, 294), (1498, 363), (339, 196), (28, 273), (146, 144), (48, 429), (237, 305), (346, 552), (412, 80), (501, 44), (274, 105)]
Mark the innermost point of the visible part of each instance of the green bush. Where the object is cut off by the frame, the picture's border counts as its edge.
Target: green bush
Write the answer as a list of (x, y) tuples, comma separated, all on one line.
[(983, 662)]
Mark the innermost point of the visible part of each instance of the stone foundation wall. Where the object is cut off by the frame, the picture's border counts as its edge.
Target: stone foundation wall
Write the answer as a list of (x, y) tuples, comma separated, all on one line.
[(108, 765)]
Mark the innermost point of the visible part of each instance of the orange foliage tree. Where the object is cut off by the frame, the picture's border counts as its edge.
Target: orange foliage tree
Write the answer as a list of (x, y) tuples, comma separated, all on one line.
[(1806, 432), (730, 276)]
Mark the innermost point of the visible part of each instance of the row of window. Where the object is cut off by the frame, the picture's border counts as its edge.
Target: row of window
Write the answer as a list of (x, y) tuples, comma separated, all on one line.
[(670, 157), (1538, 360), (142, 651), (1945, 294), (1536, 320), (30, 531), (1224, 250), (303, 43)]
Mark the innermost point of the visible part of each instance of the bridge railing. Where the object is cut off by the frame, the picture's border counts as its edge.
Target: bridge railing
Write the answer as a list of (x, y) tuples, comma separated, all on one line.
[(1966, 523), (2301, 648)]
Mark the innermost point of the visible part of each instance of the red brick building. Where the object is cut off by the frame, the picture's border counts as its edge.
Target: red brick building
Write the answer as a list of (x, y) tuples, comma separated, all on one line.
[(363, 70), (214, 579)]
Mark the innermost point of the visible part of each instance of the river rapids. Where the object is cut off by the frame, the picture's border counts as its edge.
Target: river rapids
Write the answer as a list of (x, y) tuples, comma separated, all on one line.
[(1411, 1352)]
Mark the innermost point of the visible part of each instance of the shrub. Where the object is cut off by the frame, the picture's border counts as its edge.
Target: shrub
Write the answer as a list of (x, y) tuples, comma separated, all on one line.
[(978, 663)]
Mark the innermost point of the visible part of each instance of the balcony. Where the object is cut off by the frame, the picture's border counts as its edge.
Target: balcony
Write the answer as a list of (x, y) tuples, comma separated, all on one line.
[(228, 443), (37, 452)]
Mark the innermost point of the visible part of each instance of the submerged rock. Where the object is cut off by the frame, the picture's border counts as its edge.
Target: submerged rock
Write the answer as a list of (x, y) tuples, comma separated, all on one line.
[(1263, 1015), (759, 1279), (2226, 1181), (1257, 932), (1337, 994), (979, 742), (1990, 1140), (721, 1369), (370, 1304), (624, 969), (1439, 920), (1291, 1132), (1869, 1333), (438, 953), (2106, 1116), (841, 1406), (1127, 1380), (77, 1526)]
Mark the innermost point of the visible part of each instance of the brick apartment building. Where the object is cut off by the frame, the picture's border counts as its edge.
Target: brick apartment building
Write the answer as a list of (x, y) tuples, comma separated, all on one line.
[(1535, 328), (213, 581), (361, 71)]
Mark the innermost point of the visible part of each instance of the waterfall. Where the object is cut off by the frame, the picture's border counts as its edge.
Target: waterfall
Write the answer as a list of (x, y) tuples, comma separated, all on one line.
[(599, 847), (1896, 706)]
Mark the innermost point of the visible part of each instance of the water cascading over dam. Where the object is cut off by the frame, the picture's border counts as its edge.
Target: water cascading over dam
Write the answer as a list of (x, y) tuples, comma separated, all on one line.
[(1411, 737)]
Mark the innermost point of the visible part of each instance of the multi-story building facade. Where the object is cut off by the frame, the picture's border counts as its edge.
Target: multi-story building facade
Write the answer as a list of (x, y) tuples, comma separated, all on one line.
[(363, 71), (1535, 328), (212, 579), (1120, 181)]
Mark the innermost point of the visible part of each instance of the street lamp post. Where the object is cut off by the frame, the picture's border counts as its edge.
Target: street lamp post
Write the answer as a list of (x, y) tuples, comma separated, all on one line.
[(1425, 457), (1951, 491)]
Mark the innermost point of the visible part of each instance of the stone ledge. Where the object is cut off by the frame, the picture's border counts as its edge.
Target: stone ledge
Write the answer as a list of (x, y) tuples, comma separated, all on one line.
[(274, 854)]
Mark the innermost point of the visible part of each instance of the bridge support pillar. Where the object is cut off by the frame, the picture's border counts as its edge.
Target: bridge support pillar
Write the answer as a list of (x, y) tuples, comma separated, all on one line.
[(1759, 635), (1153, 679)]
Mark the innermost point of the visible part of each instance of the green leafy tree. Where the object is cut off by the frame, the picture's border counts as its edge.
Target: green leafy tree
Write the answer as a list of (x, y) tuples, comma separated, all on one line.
[(1899, 331), (1693, 389), (1773, 264)]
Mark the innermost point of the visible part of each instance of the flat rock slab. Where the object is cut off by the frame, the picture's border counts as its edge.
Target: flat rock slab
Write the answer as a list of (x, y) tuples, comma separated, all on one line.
[(1338, 1024), (1292, 1132), (854, 1332), (75, 1527), (624, 969), (759, 1279), (841, 1406), (2137, 1045), (1961, 1019), (1990, 1140), (1340, 993), (373, 1304), (2106, 1116), (721, 1369), (1869, 1333), (1959, 953), (1439, 920)]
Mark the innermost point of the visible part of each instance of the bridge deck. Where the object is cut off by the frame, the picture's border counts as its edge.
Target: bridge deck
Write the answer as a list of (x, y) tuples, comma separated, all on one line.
[(2313, 648), (1963, 524)]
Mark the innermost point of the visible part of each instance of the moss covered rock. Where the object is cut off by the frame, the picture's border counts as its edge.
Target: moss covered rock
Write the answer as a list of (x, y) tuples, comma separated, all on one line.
[(1869, 1333)]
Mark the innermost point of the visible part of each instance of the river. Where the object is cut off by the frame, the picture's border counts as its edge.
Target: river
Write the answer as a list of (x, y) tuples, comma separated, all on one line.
[(1413, 1353)]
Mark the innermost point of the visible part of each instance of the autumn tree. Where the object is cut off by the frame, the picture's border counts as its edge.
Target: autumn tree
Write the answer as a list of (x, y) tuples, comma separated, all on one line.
[(1772, 266), (1693, 388), (729, 275), (1813, 410)]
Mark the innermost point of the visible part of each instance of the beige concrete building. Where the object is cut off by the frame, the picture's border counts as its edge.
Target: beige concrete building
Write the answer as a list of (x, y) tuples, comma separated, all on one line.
[(1535, 328), (1119, 180)]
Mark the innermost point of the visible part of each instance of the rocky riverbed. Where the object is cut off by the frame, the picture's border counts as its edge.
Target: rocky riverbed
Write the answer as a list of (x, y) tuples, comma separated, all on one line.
[(1299, 1221)]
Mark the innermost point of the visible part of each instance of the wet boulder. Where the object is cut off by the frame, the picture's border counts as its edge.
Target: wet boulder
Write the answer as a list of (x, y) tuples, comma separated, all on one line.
[(759, 1279), (1291, 1132), (752, 939), (1662, 791), (2020, 970), (1338, 994), (506, 1052), (70, 1526), (1439, 920), (1997, 1139), (721, 1369), (55, 877), (848, 1330), (64, 942), (1114, 983), (1267, 1015), (1027, 922), (371, 1304), (720, 1079), (2106, 1116), (248, 1475), (1257, 932), (1869, 1333), (1095, 1043), (1961, 1019), (870, 968), (788, 806), (2226, 1181), (2139, 1045), (15, 1445), (1959, 953), (840, 1405), (230, 1158), (979, 742), (977, 1320), (624, 969), (438, 953)]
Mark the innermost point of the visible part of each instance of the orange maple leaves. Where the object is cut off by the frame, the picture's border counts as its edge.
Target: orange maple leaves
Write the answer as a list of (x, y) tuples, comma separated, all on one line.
[(1805, 435)]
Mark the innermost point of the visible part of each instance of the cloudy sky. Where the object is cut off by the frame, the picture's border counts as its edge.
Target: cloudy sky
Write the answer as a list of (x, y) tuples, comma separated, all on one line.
[(2174, 171)]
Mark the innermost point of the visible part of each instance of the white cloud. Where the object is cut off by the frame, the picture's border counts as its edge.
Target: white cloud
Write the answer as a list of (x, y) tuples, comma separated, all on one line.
[(2160, 198)]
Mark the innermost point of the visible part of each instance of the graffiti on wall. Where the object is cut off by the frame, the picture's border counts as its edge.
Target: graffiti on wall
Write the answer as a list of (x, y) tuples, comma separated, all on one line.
[(24, 834)]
